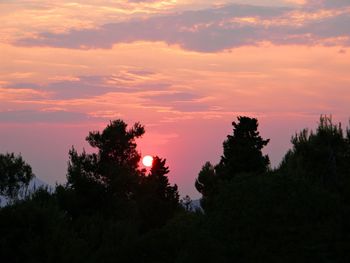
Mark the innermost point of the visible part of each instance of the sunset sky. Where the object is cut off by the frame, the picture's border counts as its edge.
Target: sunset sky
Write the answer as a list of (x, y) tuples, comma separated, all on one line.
[(183, 68)]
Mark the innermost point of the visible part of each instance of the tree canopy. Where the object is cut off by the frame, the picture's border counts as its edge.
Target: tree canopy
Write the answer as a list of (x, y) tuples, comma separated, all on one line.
[(243, 150), (157, 199), (115, 165), (321, 157), (242, 154), (112, 210), (15, 174), (110, 180)]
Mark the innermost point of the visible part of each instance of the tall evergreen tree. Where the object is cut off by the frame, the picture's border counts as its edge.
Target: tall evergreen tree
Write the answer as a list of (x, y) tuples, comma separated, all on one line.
[(242, 154), (243, 150)]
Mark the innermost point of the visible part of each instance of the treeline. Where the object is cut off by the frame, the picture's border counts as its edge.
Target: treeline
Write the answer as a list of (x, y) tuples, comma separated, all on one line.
[(111, 210)]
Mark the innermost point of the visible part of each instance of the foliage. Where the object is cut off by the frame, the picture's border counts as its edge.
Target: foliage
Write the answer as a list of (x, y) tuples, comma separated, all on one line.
[(242, 154), (207, 179), (321, 157), (277, 219), (106, 181), (115, 165), (157, 199), (243, 150), (296, 213), (109, 181), (15, 174), (207, 182)]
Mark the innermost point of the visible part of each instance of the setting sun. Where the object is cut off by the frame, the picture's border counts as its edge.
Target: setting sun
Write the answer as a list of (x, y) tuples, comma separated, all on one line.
[(147, 161)]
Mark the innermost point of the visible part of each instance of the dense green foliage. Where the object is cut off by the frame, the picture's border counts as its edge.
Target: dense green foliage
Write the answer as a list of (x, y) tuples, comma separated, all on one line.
[(112, 211)]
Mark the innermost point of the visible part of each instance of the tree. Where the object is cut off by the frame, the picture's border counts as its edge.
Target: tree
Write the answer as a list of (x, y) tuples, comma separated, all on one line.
[(207, 182), (15, 174), (158, 178), (243, 150), (158, 200), (206, 179), (321, 156), (110, 177), (242, 154)]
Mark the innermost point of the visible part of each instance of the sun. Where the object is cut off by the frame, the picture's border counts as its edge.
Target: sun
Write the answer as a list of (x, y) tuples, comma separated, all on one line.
[(147, 161)]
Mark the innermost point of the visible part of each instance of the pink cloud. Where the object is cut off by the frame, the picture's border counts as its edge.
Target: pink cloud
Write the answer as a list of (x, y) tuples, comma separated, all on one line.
[(211, 30)]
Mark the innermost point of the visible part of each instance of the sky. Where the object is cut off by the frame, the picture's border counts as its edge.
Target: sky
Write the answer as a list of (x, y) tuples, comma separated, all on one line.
[(183, 68)]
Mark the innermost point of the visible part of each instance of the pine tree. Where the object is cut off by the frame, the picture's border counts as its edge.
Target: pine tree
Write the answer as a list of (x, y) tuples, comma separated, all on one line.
[(243, 150), (158, 200), (108, 178), (242, 154)]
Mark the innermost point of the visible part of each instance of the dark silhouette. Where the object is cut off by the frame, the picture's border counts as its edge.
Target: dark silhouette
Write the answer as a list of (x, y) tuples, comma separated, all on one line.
[(187, 203), (242, 154), (15, 174), (110, 210), (107, 180), (207, 182), (110, 182), (243, 150), (320, 157), (157, 199)]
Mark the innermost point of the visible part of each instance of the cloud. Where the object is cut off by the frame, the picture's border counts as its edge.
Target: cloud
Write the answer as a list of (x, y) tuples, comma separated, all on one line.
[(172, 97), (330, 27), (328, 3), (92, 86), (146, 95), (143, 1), (204, 30), (177, 101), (82, 88), (32, 116), (212, 30), (8, 94), (139, 72)]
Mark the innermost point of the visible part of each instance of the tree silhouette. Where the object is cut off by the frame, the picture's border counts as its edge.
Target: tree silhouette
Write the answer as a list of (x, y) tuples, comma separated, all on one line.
[(207, 182), (15, 174), (158, 200), (158, 178), (109, 177), (242, 154), (243, 150), (322, 156), (283, 215), (206, 179)]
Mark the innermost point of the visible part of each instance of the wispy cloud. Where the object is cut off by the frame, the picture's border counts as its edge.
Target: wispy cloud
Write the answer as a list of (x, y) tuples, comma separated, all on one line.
[(178, 101), (216, 29), (65, 88), (13, 94), (101, 89), (32, 116)]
